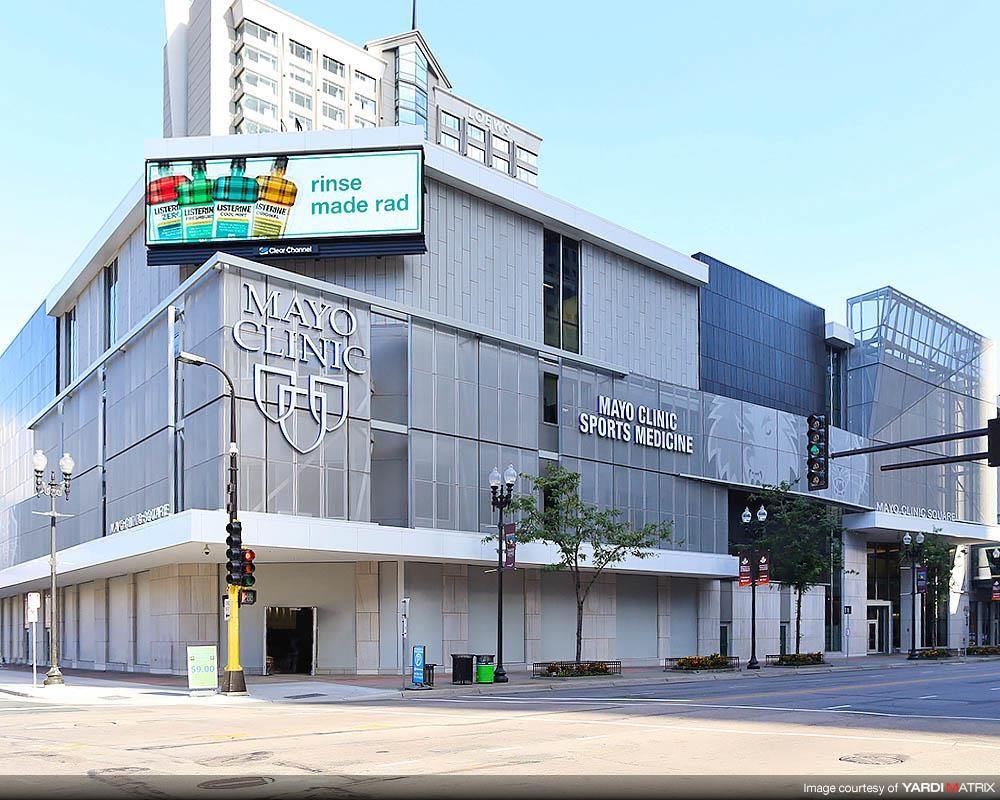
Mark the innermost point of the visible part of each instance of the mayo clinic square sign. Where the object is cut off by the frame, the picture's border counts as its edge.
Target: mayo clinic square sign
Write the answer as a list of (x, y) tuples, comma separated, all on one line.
[(307, 332), (630, 422)]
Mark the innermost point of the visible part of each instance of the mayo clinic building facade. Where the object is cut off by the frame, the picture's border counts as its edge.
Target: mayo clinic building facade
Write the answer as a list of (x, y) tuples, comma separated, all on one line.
[(384, 367)]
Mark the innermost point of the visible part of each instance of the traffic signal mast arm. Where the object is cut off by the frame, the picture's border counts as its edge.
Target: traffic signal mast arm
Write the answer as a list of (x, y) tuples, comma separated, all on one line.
[(992, 455)]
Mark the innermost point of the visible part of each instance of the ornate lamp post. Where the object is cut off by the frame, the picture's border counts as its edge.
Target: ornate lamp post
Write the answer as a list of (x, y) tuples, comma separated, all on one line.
[(52, 490), (913, 552), (501, 493), (747, 517)]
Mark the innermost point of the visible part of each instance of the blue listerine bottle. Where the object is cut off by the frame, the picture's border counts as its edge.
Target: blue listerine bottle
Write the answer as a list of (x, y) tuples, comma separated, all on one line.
[(235, 196), (196, 204)]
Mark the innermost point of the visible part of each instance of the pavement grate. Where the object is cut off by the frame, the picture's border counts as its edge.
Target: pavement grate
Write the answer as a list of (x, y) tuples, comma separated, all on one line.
[(874, 759), (303, 696)]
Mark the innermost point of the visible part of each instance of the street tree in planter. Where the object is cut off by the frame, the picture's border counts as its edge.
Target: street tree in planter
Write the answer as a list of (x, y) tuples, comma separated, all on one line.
[(938, 556), (804, 539), (588, 539)]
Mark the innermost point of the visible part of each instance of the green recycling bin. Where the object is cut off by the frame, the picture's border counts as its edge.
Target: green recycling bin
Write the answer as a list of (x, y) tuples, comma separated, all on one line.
[(484, 668)]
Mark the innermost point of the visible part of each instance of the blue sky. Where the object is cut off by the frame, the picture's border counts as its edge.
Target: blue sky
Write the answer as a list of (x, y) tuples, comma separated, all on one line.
[(830, 148)]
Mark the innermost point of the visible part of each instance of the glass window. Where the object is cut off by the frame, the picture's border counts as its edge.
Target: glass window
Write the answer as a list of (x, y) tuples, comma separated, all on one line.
[(501, 164), (365, 81), (333, 66), (72, 344), (361, 122), (258, 58), (250, 103), (334, 90), (111, 303), (550, 398), (389, 478), (450, 121), (451, 142), (250, 126), (527, 176), (366, 103), (258, 84), (389, 368), (501, 144), (475, 133), (299, 122), (300, 75), (258, 32), (561, 291), (476, 153), (300, 99), (300, 51), (332, 112), (527, 156)]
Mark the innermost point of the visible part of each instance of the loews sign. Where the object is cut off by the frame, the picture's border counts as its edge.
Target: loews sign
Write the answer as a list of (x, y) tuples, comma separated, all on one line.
[(300, 330), (628, 422)]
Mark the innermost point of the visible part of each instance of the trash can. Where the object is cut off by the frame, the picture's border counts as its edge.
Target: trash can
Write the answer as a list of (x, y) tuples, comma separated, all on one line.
[(484, 668), (461, 667)]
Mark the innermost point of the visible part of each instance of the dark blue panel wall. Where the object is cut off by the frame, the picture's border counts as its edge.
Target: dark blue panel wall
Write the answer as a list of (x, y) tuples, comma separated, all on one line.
[(759, 343)]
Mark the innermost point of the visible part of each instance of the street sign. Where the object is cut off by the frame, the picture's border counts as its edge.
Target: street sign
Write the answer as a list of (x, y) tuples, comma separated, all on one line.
[(744, 570), (922, 580), (225, 607), (764, 569), (202, 667), (510, 544), (419, 656), (847, 611)]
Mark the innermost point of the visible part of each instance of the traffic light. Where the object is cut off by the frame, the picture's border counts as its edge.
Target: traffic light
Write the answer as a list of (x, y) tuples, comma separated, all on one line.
[(234, 553), (248, 579), (817, 452), (993, 439)]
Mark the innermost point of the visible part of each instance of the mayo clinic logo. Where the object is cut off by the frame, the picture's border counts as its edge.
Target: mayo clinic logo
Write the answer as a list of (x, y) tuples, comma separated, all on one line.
[(307, 331)]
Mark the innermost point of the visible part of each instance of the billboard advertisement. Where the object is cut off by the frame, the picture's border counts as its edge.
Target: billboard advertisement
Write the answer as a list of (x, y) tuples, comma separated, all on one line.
[(286, 197)]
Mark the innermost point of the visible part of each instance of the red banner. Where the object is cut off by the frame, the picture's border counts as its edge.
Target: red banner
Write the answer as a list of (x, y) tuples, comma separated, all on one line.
[(510, 544), (763, 569), (745, 577)]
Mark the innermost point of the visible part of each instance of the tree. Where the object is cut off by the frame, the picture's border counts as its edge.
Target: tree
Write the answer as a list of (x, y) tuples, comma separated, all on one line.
[(938, 556), (803, 537), (588, 539)]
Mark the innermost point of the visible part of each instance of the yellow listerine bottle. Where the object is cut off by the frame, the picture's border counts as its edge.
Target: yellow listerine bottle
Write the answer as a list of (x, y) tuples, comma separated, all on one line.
[(274, 202)]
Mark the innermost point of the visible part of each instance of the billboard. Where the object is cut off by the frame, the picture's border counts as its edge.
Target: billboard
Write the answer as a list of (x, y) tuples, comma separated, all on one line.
[(284, 197)]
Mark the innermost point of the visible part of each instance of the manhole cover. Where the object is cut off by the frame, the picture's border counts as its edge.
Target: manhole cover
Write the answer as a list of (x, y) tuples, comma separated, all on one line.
[(303, 696), (236, 783), (874, 759)]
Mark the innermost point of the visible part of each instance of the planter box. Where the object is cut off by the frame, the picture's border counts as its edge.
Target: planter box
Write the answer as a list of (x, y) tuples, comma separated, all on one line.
[(774, 660), (575, 669), (671, 664)]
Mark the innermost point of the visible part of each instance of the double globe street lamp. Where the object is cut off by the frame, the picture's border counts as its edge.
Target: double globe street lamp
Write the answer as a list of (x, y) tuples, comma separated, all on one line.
[(501, 494), (747, 518), (52, 490)]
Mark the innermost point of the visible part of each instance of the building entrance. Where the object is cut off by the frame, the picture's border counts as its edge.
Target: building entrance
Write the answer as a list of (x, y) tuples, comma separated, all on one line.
[(289, 640), (879, 627)]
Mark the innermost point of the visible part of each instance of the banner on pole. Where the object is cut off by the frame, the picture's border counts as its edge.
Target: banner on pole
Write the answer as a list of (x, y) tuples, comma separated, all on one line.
[(763, 569), (745, 570), (510, 545)]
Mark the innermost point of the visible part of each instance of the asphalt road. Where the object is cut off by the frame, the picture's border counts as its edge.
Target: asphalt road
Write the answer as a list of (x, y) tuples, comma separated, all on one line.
[(927, 720)]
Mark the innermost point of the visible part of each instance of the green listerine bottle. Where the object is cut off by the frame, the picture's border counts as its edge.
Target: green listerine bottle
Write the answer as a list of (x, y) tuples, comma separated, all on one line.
[(235, 196), (197, 204)]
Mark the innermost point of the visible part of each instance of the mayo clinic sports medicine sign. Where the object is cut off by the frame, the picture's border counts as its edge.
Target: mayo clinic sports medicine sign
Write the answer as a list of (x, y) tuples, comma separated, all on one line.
[(286, 204), (630, 422)]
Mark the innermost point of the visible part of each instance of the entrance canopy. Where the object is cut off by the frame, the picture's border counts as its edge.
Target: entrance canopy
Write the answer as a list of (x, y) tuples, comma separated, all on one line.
[(884, 526)]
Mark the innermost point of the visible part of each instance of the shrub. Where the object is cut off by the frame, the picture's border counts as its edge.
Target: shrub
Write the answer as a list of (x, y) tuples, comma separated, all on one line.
[(933, 652), (714, 661), (569, 669), (984, 650), (800, 659)]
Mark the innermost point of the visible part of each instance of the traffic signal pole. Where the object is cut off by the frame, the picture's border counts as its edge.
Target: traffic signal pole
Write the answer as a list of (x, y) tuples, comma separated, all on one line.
[(233, 679)]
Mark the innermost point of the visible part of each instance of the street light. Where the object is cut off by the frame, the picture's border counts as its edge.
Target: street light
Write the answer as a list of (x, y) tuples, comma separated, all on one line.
[(52, 490), (747, 518), (501, 493), (233, 679), (913, 551)]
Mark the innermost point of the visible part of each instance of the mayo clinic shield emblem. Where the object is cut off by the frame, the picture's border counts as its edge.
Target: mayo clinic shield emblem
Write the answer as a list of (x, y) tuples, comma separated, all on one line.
[(320, 398)]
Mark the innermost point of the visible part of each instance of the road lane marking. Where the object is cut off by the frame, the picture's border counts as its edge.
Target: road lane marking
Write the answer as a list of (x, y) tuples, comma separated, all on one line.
[(927, 697), (834, 708), (689, 704)]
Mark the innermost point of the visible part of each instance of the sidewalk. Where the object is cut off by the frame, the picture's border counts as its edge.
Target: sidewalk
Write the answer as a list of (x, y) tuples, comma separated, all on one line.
[(89, 687)]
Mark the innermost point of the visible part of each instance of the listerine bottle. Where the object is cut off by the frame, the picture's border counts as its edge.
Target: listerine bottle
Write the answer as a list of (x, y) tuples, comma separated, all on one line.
[(196, 204), (235, 195), (161, 197), (275, 201)]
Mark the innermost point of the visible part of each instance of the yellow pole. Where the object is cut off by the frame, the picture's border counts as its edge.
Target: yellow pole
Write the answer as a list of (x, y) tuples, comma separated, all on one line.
[(233, 636)]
